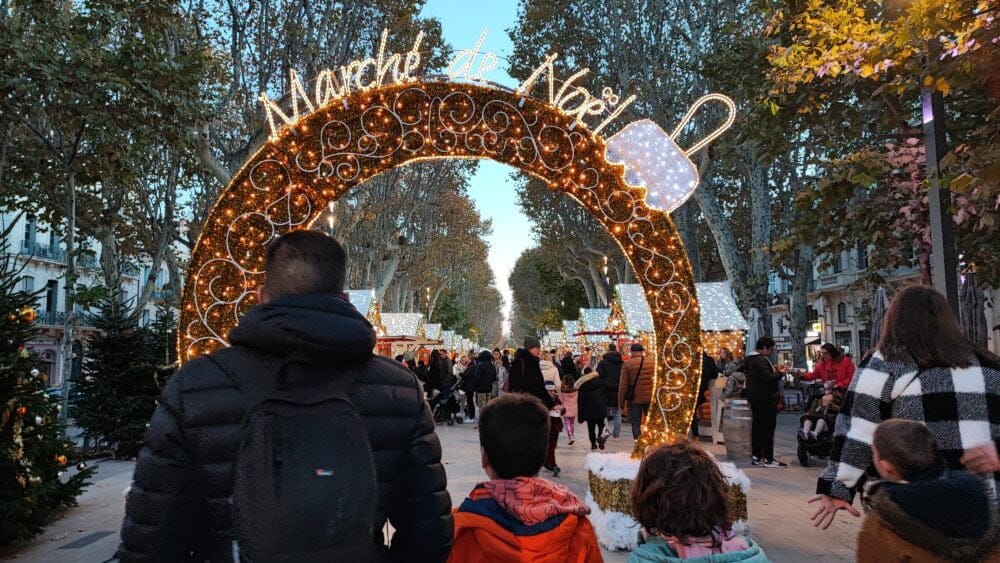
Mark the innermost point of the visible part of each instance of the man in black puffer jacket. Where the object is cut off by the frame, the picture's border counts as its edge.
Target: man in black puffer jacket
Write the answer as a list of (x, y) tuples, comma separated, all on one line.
[(179, 506)]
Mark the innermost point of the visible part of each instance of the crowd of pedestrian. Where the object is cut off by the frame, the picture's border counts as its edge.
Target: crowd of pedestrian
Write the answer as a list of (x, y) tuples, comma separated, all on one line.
[(248, 444)]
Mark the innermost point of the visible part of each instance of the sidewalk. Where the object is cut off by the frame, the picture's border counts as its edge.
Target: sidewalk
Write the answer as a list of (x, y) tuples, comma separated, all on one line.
[(779, 515)]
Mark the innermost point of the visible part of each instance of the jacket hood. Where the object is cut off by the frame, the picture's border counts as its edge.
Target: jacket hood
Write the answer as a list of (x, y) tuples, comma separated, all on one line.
[(485, 357), (614, 358), (523, 519), (950, 515), (655, 550), (579, 382), (317, 326), (532, 501)]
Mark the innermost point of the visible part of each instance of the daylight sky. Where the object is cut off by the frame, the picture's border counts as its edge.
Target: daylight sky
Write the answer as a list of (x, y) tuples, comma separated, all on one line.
[(491, 187)]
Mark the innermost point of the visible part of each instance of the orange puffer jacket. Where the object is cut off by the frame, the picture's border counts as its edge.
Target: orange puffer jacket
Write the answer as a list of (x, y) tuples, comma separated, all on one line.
[(541, 528)]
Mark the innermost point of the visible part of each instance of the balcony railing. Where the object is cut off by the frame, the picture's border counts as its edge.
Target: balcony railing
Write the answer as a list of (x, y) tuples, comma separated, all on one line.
[(43, 251), (58, 319)]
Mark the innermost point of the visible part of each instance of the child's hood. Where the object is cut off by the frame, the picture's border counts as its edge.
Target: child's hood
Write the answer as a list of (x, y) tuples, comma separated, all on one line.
[(655, 550), (950, 515), (531, 500), (527, 517)]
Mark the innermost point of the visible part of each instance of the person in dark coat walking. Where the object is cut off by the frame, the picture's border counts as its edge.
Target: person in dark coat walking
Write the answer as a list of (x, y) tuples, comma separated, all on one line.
[(526, 373), (762, 393), (609, 369), (483, 380), (709, 371), (179, 505), (592, 406)]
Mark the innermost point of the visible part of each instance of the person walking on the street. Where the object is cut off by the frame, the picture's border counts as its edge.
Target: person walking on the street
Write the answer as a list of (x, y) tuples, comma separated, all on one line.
[(709, 371), (555, 426), (923, 368), (635, 390), (196, 470), (484, 379), (526, 373), (569, 399), (465, 369), (609, 369), (762, 392), (592, 407)]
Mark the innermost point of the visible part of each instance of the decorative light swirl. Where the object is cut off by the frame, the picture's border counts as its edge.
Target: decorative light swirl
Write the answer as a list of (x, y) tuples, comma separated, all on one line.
[(342, 144)]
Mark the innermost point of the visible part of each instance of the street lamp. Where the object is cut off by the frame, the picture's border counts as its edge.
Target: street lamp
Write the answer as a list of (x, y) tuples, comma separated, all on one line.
[(607, 281), (944, 261)]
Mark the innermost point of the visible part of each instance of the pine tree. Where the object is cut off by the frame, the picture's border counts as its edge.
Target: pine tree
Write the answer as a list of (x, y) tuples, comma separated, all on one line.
[(118, 392), (35, 462)]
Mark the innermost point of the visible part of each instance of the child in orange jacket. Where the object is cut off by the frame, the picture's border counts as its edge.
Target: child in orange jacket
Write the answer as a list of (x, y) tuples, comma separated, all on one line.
[(515, 516)]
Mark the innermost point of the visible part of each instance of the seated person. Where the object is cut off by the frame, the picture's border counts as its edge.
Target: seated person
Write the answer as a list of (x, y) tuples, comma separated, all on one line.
[(516, 516), (820, 417), (681, 501), (922, 511)]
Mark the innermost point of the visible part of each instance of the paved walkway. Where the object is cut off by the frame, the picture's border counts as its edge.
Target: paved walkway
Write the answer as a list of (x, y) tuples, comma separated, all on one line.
[(779, 515)]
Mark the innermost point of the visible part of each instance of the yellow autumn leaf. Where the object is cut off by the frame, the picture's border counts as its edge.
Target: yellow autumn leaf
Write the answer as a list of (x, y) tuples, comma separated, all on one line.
[(942, 85), (928, 80), (867, 70)]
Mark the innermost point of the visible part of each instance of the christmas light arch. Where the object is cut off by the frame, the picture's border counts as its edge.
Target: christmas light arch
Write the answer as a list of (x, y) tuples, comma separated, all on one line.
[(338, 146)]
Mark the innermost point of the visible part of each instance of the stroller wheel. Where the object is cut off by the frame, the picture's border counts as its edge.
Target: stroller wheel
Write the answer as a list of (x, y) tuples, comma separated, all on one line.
[(803, 456)]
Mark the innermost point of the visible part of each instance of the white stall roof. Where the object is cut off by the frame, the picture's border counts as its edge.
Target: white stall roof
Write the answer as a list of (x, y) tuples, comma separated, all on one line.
[(570, 328), (594, 320), (432, 331), (634, 306), (448, 336), (718, 307), (402, 324), (716, 302)]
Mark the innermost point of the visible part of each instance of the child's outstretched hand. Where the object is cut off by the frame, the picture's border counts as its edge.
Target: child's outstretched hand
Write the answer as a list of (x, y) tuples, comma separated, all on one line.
[(829, 506)]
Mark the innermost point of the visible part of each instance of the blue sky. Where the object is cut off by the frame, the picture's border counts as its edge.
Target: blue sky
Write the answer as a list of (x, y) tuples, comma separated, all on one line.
[(491, 187)]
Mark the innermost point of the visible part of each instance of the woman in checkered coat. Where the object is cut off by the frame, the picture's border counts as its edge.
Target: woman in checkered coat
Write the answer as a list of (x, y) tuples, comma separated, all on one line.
[(923, 369)]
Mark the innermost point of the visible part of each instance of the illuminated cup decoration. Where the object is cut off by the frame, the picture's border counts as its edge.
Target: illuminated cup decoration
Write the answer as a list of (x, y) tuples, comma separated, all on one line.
[(381, 118), (653, 159)]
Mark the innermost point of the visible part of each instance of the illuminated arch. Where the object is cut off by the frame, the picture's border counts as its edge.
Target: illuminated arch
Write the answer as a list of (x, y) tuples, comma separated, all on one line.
[(326, 153)]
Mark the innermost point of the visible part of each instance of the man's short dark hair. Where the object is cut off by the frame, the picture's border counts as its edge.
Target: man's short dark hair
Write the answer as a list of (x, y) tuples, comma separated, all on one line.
[(908, 445), (612, 348), (303, 262), (764, 342), (513, 431)]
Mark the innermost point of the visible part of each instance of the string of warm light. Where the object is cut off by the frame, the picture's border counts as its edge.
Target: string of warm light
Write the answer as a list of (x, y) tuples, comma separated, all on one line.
[(345, 142)]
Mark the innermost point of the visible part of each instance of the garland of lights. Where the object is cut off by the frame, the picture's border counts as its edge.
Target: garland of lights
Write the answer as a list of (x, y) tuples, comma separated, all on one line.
[(349, 140)]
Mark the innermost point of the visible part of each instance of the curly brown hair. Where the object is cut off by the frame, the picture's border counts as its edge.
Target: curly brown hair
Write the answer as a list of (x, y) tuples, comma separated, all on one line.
[(680, 492)]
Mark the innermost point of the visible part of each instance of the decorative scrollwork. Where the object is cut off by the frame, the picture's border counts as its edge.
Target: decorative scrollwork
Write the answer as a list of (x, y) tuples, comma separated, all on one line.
[(339, 146)]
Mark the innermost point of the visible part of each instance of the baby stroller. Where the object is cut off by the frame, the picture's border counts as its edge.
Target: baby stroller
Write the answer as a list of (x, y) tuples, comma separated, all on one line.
[(447, 404), (818, 444)]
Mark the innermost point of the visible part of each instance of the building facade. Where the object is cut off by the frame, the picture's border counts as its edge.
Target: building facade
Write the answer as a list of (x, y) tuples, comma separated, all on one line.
[(840, 307), (40, 253)]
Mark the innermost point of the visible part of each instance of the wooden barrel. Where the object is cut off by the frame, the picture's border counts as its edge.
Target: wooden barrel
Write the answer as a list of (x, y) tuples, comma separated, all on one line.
[(736, 419)]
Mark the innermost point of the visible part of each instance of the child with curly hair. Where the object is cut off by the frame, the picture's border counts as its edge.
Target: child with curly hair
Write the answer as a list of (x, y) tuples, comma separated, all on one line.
[(681, 501)]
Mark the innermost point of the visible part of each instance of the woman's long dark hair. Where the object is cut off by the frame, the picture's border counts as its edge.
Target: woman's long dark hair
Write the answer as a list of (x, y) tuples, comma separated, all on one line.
[(920, 326), (832, 349)]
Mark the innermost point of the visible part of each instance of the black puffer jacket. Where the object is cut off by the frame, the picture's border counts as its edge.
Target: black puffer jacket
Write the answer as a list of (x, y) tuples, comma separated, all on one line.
[(762, 379), (610, 371), (178, 508), (486, 373)]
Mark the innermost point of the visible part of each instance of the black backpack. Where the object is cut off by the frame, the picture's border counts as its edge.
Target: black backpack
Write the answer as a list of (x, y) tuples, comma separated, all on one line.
[(305, 486)]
